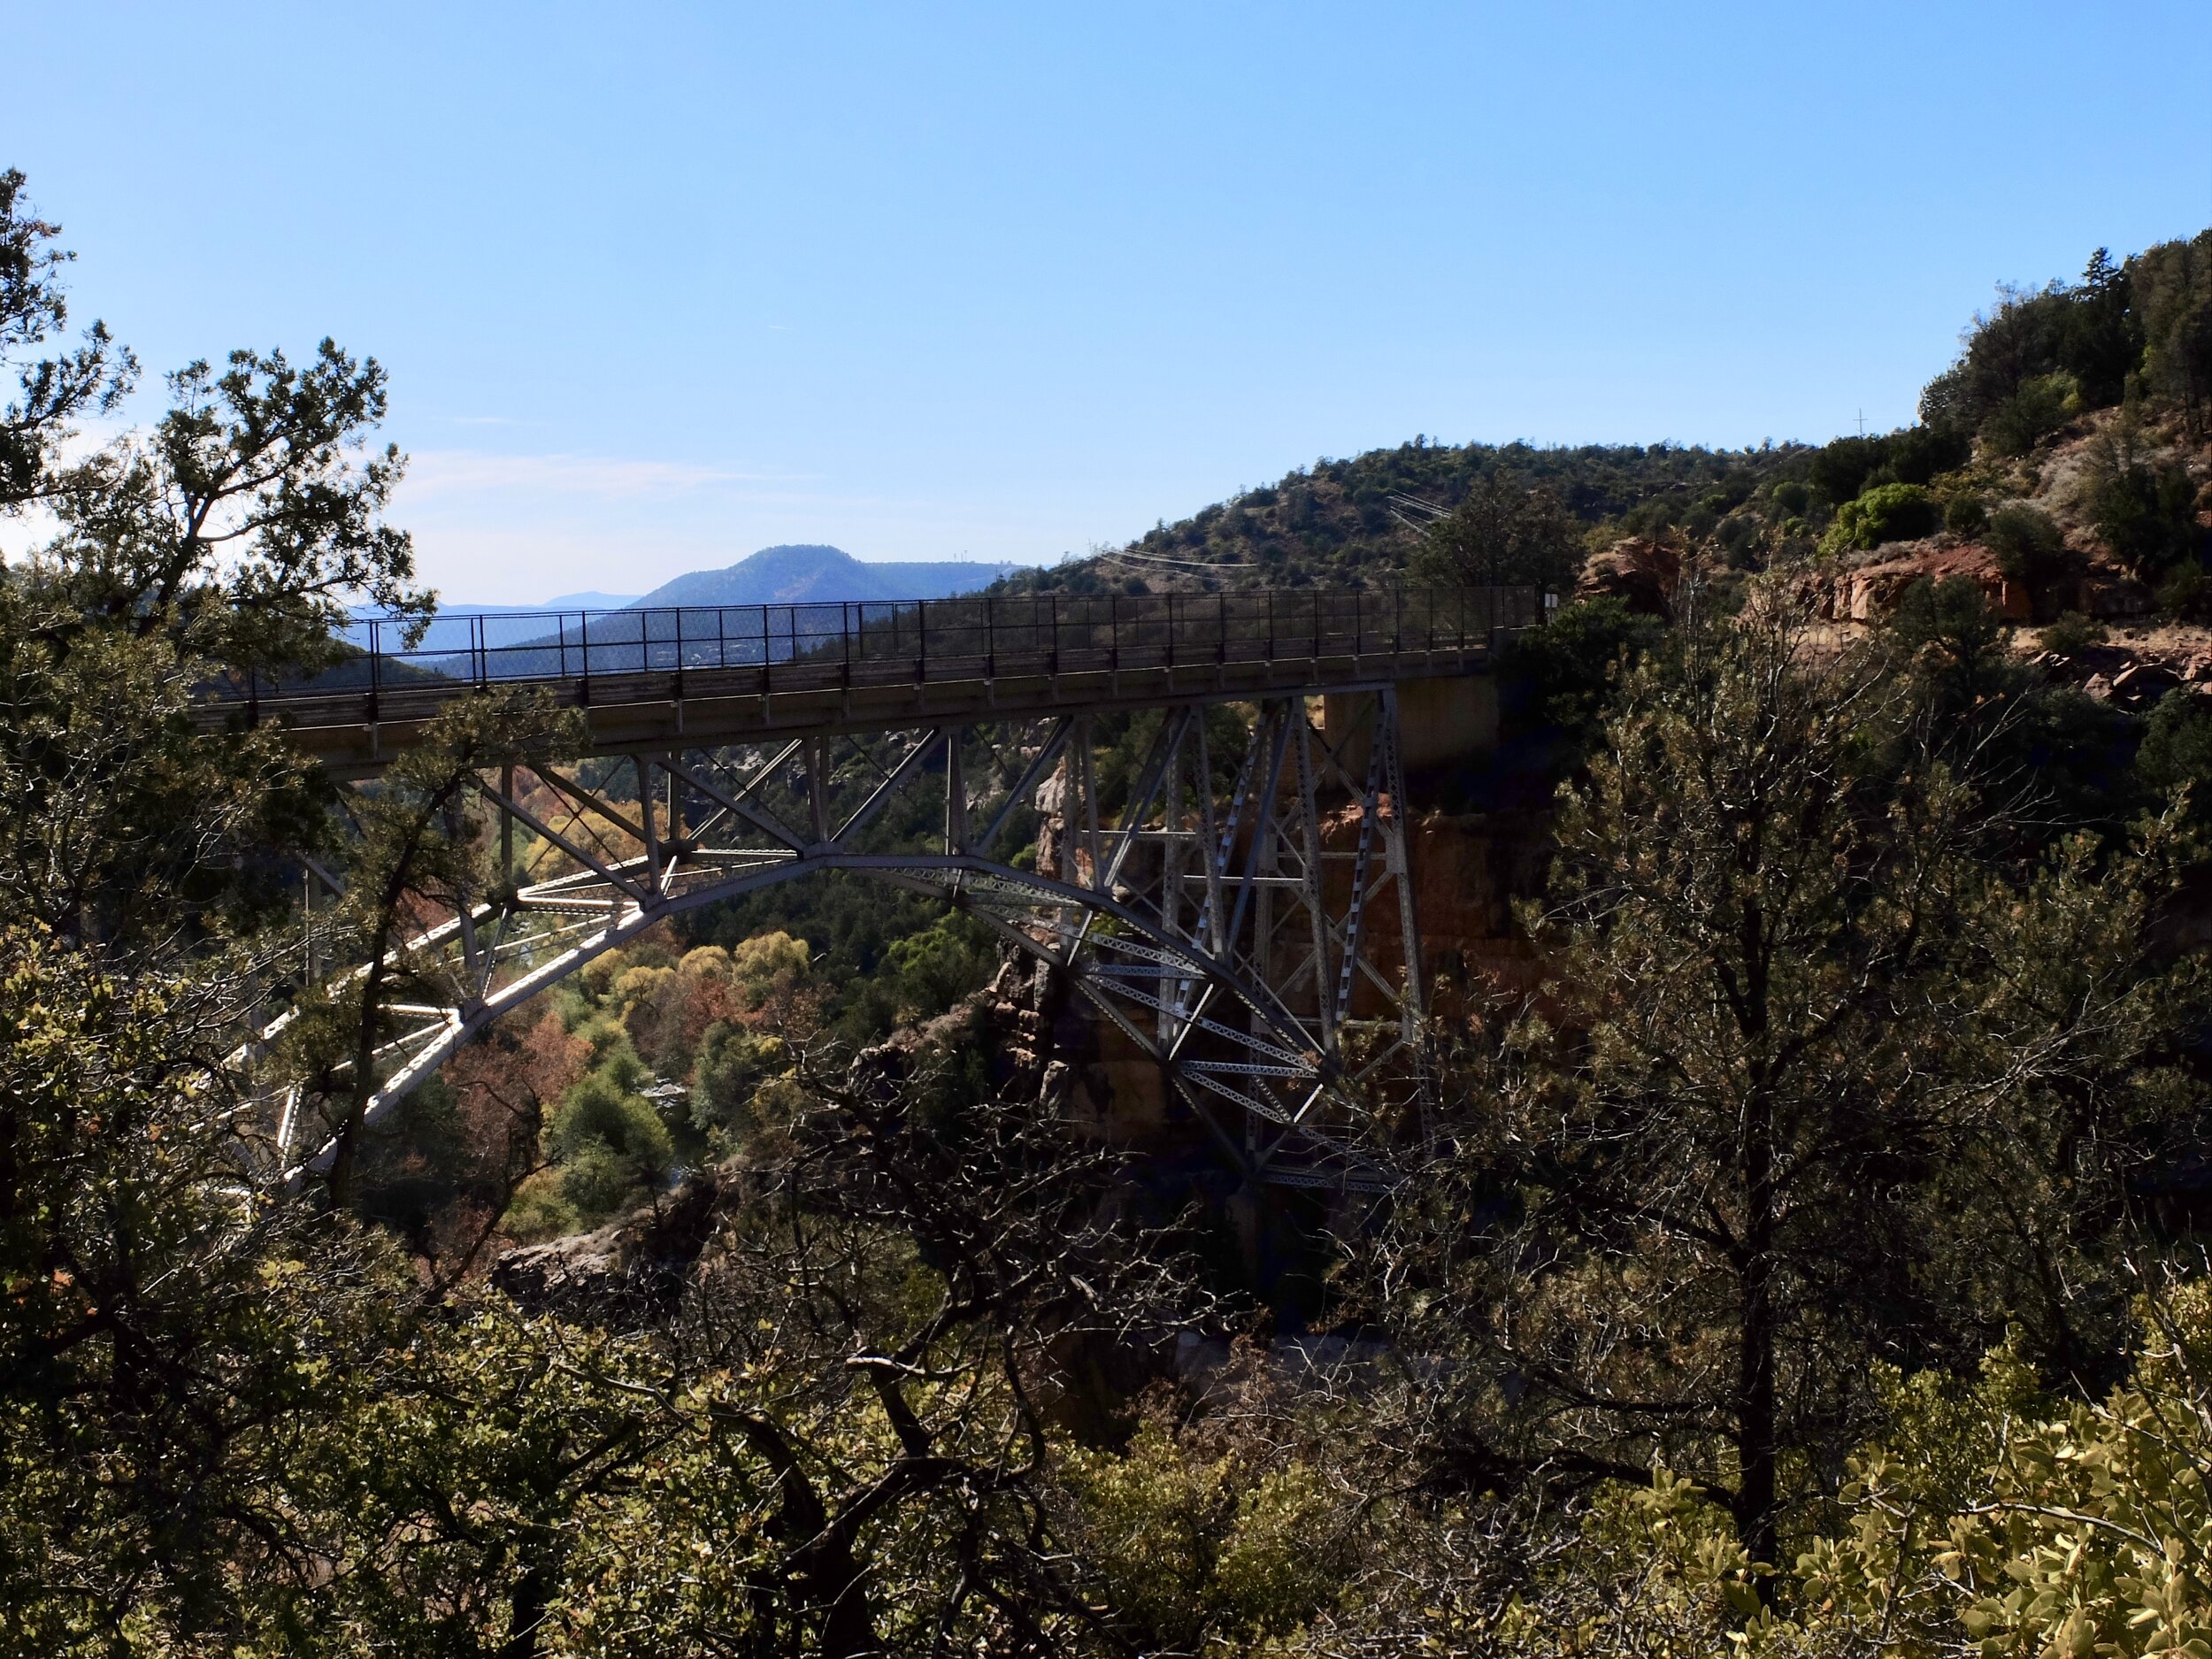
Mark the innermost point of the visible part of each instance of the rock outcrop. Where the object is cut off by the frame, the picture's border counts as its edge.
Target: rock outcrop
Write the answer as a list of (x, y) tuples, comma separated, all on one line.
[(1870, 590), (627, 1273), (2135, 669), (1645, 572)]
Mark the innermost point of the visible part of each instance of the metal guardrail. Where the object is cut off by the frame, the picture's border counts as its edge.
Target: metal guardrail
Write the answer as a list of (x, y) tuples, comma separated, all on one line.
[(807, 646)]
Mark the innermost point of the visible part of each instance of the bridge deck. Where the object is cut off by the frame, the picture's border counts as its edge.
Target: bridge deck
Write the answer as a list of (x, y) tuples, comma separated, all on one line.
[(649, 680)]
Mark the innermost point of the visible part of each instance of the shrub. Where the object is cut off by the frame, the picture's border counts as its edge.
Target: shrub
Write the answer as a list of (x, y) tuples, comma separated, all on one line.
[(1952, 614), (2187, 595), (1966, 516), (1738, 537), (1840, 469), (598, 1181), (2177, 750), (2147, 518), (939, 966), (1559, 677), (1918, 453), (2072, 632), (2033, 414), (1888, 512), (599, 1112), (1989, 1518), (2078, 1528), (540, 1210), (732, 1064), (1204, 1554), (613, 1053), (2028, 546)]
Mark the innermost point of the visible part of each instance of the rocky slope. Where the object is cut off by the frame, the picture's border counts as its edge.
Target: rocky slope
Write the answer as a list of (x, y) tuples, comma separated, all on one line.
[(2145, 653)]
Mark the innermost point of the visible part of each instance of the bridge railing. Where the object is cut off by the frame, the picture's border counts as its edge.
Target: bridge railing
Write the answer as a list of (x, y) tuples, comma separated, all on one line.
[(802, 646)]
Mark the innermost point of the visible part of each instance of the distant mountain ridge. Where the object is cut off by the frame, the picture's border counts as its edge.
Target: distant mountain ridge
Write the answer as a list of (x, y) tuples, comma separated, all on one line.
[(805, 573), (795, 574)]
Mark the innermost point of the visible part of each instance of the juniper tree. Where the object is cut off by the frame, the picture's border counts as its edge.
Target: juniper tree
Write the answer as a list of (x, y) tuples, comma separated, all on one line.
[(1811, 1079)]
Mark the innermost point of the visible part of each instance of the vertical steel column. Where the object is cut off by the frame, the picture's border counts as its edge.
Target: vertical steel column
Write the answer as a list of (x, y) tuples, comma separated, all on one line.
[(1272, 732), (1215, 856), (1355, 909), (456, 829), (506, 827), (648, 821), (1309, 826), (1087, 786), (817, 789), (1412, 1007), (1172, 846), (956, 791)]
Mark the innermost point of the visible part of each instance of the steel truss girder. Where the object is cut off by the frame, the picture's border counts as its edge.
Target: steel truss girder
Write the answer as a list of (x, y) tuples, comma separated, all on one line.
[(1200, 911)]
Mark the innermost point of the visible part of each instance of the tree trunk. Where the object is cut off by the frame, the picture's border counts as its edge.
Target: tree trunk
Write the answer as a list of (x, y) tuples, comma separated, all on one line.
[(849, 1625), (1756, 1496), (821, 1575), (364, 1073), (527, 1603)]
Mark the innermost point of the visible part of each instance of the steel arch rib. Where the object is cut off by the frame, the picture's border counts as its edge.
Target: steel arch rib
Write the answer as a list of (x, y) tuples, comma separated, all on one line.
[(463, 1025)]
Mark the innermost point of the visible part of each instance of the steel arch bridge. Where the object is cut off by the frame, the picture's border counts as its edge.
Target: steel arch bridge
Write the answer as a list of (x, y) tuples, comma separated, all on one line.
[(1222, 873)]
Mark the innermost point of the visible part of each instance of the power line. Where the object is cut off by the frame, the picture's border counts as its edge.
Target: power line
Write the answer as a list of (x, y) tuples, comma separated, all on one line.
[(1188, 564)]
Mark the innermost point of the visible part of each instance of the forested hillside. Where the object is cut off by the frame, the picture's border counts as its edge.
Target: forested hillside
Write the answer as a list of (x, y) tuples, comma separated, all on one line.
[(1803, 1253), (1346, 521)]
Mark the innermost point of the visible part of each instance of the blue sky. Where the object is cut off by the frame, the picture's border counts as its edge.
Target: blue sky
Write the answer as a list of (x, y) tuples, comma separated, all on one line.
[(660, 285)]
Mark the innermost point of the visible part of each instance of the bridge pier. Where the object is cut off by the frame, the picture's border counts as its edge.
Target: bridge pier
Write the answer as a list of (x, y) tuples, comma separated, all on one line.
[(1442, 721)]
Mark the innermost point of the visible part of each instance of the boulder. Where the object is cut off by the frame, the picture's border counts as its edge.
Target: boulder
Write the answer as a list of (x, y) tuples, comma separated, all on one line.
[(1644, 573), (2141, 684)]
